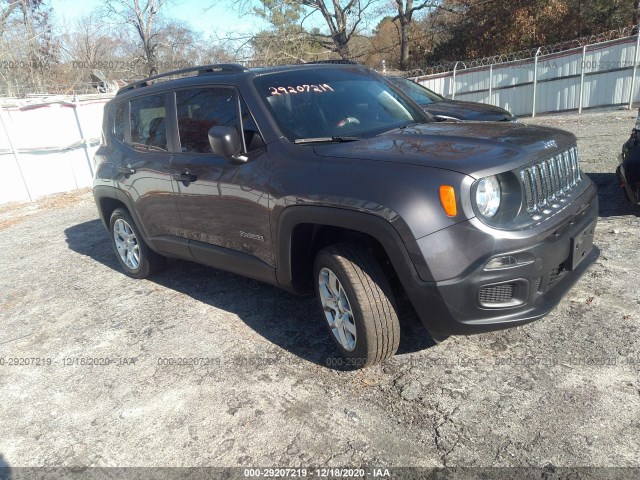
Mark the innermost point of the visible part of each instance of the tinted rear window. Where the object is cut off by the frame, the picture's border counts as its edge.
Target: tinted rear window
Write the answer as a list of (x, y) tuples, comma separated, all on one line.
[(149, 123)]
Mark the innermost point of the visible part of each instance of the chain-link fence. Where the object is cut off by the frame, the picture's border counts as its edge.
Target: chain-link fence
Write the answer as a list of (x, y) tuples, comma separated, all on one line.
[(522, 54), (548, 79)]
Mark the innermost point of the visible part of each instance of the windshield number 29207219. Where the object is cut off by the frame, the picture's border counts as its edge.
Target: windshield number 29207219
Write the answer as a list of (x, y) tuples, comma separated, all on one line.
[(320, 88)]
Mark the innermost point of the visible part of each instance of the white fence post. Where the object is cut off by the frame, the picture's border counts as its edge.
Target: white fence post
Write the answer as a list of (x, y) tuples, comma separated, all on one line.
[(535, 83), (490, 83), (14, 150), (635, 69), (85, 143), (453, 84), (584, 62)]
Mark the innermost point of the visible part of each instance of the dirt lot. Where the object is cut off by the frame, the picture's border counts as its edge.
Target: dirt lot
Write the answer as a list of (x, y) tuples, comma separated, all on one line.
[(563, 391)]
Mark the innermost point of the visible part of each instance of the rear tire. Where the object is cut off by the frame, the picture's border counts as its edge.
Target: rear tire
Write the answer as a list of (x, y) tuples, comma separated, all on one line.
[(135, 257), (357, 304)]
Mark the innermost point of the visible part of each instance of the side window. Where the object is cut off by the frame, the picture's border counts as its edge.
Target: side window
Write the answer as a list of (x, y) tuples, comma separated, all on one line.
[(148, 123), (119, 121), (199, 110)]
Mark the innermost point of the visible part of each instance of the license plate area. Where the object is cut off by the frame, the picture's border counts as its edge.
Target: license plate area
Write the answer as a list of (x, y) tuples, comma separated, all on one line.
[(581, 245)]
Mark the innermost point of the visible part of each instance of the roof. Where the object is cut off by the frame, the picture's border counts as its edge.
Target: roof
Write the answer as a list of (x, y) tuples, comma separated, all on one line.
[(227, 69)]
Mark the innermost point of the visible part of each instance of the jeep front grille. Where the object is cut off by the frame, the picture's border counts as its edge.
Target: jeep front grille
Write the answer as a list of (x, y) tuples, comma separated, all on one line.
[(548, 181)]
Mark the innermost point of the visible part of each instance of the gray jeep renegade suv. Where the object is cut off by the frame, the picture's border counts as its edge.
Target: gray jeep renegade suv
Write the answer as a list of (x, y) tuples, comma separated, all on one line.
[(325, 179)]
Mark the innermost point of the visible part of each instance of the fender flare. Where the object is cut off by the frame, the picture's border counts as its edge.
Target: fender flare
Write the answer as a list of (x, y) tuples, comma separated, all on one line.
[(103, 191), (372, 225)]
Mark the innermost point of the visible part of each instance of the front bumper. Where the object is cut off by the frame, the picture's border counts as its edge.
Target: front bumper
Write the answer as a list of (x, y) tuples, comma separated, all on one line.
[(628, 172), (630, 183), (477, 300)]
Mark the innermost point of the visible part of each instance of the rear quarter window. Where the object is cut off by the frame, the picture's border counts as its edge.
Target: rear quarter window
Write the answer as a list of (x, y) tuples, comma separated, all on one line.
[(119, 124)]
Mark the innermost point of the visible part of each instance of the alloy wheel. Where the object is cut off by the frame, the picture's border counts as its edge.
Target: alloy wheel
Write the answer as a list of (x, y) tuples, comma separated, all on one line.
[(126, 244), (337, 309)]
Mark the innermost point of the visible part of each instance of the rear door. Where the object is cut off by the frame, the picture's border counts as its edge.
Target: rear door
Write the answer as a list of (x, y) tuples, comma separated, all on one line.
[(221, 204), (145, 162)]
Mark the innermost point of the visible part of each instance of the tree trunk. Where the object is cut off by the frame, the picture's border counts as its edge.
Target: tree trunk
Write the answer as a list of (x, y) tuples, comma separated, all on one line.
[(404, 44), (152, 68), (342, 44), (636, 12), (405, 17)]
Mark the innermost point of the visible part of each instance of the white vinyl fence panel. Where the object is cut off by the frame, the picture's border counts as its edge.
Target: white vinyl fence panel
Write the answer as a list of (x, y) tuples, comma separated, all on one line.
[(48, 146), (598, 75)]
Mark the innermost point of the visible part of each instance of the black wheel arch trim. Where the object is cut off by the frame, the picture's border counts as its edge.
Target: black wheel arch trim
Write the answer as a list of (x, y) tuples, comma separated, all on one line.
[(377, 227), (101, 192)]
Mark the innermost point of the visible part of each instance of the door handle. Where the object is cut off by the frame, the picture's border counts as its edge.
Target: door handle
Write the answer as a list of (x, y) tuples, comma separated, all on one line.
[(185, 177), (126, 170)]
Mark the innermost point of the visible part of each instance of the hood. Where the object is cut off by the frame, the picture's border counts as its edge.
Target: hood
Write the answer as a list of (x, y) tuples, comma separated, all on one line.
[(468, 111), (475, 148)]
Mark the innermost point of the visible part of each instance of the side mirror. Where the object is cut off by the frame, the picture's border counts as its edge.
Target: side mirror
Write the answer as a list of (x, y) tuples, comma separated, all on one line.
[(225, 142)]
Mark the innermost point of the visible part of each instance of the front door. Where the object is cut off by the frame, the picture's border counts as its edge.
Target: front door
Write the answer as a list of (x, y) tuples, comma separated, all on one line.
[(220, 203)]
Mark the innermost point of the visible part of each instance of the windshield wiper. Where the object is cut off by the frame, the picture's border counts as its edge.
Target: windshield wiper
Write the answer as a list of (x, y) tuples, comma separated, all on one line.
[(326, 140)]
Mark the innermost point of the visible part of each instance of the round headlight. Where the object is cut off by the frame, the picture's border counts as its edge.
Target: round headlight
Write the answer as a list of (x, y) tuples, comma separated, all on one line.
[(488, 196)]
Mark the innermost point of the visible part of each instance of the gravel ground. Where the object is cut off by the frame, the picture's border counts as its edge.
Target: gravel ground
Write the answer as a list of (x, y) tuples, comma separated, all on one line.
[(563, 391)]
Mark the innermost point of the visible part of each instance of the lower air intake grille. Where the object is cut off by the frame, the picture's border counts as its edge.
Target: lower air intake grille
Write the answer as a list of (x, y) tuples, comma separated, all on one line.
[(497, 294)]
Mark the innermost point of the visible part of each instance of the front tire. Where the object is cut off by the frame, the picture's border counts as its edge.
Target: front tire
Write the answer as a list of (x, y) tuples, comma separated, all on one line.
[(135, 257), (357, 304)]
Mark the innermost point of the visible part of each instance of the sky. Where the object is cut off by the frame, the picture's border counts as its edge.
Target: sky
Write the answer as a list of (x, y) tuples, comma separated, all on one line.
[(211, 17)]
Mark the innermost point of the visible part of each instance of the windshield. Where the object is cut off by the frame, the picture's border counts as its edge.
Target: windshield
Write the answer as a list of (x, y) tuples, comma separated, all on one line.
[(327, 103), (419, 94)]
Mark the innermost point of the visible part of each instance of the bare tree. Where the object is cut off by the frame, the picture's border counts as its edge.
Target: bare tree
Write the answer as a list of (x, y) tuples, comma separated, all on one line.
[(89, 43), (142, 16), (406, 9), (6, 9), (28, 42), (178, 44), (343, 19), (89, 39)]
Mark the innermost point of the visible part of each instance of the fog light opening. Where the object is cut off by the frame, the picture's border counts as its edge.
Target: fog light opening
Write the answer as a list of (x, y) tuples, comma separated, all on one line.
[(506, 261)]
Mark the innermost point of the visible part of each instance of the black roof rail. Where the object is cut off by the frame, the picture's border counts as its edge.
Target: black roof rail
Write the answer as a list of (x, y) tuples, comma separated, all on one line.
[(202, 70), (337, 61)]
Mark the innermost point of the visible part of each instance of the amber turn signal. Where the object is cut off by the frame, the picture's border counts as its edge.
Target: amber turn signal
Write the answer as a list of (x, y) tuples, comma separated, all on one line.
[(448, 200)]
